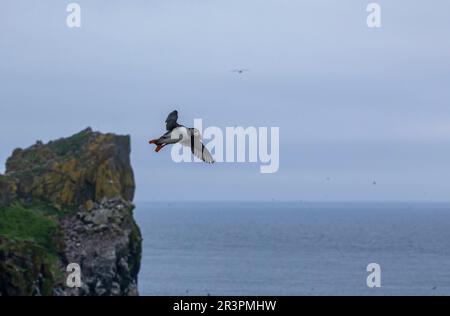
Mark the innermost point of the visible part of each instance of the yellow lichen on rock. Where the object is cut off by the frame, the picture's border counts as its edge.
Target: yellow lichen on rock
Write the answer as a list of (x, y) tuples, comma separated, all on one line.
[(71, 171), (107, 181)]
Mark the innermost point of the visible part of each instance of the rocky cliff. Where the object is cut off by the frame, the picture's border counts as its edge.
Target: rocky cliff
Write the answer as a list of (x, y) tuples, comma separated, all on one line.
[(69, 201)]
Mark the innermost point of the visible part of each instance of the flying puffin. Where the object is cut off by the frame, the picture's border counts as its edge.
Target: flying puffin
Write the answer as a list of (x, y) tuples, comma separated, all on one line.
[(189, 137), (240, 70)]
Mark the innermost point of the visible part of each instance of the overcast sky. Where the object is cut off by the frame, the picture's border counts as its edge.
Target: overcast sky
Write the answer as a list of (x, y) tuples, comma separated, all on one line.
[(353, 104)]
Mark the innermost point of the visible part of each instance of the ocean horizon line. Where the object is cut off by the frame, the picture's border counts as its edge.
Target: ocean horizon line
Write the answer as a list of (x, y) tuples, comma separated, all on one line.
[(291, 201)]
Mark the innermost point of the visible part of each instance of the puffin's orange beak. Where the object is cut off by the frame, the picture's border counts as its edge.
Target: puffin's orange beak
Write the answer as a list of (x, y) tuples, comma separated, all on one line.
[(159, 147)]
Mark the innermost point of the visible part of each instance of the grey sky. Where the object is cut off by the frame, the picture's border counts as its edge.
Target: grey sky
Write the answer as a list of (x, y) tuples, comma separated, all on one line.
[(352, 103)]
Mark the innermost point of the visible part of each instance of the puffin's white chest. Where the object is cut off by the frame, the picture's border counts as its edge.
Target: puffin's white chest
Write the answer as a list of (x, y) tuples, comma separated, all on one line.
[(181, 131)]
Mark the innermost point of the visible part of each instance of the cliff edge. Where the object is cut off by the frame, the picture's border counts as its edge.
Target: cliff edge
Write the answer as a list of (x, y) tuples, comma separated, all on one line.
[(69, 201)]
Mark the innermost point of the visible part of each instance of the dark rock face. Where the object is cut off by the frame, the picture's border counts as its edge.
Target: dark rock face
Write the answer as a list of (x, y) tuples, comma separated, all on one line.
[(106, 242), (8, 190), (83, 185)]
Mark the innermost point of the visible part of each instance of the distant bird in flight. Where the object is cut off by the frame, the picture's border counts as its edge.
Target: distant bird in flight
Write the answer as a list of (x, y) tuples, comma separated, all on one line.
[(189, 137), (240, 70)]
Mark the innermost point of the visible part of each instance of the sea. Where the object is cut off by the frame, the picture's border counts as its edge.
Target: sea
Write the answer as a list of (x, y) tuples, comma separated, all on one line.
[(294, 248)]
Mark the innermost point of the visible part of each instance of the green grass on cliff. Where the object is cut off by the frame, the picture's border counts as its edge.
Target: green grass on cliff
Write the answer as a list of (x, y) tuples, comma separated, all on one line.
[(21, 223), (69, 145), (33, 236)]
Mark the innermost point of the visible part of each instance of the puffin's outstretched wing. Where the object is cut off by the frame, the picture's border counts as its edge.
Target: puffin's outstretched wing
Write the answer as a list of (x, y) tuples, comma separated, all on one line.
[(171, 120), (200, 151)]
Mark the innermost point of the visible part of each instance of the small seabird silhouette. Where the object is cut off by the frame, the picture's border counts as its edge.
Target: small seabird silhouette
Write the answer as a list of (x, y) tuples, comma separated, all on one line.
[(189, 137), (374, 183), (240, 70)]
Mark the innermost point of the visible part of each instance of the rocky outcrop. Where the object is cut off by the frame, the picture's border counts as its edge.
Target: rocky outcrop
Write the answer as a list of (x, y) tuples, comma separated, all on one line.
[(82, 187), (69, 172)]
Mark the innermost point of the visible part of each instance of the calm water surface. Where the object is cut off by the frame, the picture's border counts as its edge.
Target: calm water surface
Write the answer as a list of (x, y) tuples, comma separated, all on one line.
[(293, 248)]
